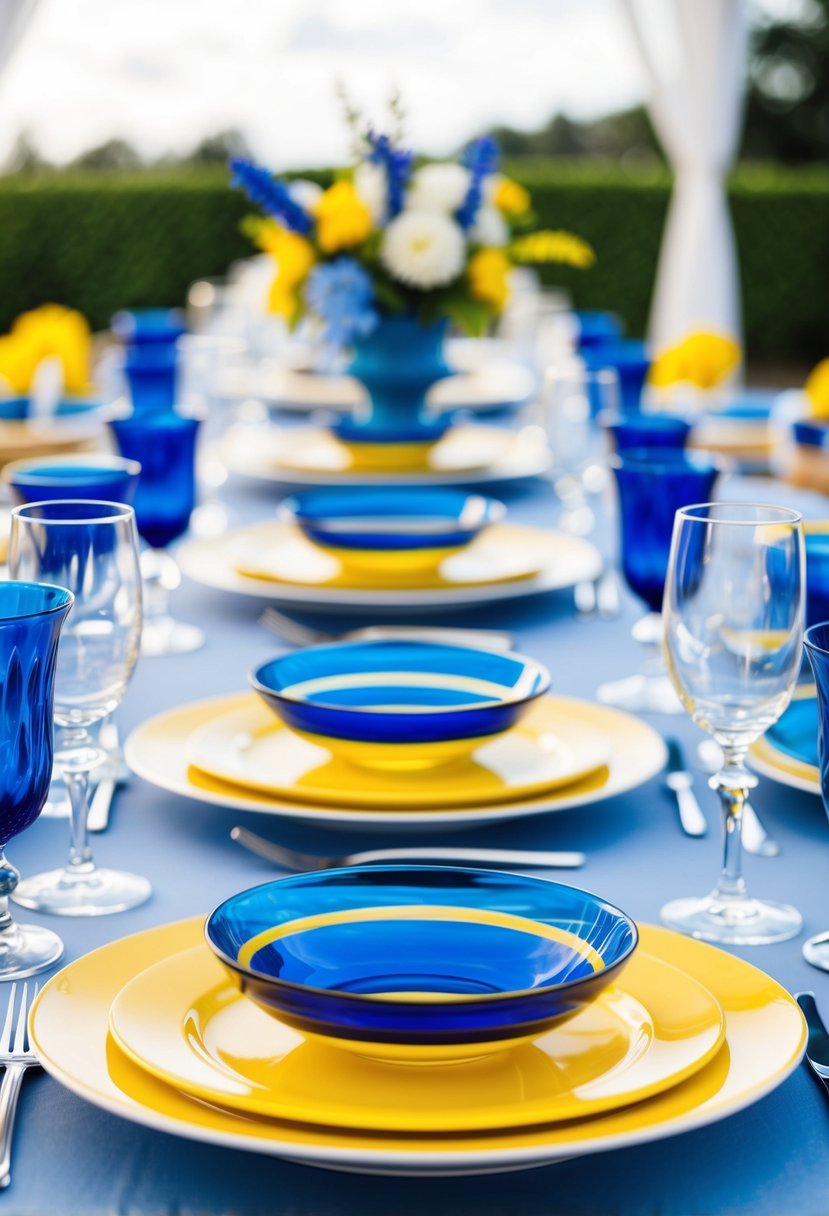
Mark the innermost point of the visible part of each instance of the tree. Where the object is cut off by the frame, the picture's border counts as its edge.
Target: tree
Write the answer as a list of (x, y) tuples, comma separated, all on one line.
[(787, 103), (114, 154), (217, 149)]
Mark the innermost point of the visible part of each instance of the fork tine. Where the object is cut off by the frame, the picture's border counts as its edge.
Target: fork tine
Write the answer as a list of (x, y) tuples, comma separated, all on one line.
[(6, 1033), (22, 1018)]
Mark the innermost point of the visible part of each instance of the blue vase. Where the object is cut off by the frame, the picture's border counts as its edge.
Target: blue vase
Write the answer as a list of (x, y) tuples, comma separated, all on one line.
[(398, 363)]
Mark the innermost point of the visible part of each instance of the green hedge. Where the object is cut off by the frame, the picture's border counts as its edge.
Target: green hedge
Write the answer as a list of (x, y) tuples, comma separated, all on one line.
[(102, 241)]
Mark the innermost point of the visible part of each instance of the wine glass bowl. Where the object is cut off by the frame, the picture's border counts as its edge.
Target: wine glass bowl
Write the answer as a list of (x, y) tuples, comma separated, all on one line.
[(31, 617), (733, 611), (90, 547)]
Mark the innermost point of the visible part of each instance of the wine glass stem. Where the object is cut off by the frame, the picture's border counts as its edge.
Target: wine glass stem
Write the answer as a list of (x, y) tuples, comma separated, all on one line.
[(78, 757), (732, 783), (8, 881)]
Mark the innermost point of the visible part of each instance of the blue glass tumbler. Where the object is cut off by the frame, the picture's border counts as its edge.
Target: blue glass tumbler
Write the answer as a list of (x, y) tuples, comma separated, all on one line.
[(652, 485), (152, 376), (817, 572), (646, 430), (816, 644), (165, 446), (31, 617), (632, 362), (149, 326)]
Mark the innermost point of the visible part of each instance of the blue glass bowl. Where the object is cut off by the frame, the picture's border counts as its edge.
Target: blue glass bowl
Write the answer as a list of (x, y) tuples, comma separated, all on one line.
[(17, 409), (420, 963), (400, 704), (811, 434), (92, 476), (646, 430), (391, 531)]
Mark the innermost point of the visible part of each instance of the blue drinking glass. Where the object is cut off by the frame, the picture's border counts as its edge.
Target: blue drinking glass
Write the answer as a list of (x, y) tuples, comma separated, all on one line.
[(816, 644), (632, 362), (652, 485), (149, 326), (152, 375), (597, 329), (646, 430), (164, 444), (31, 616), (96, 476), (817, 572)]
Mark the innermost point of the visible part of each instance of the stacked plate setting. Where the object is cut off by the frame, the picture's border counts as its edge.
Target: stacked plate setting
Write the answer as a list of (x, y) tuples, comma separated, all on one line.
[(402, 733), (417, 1020)]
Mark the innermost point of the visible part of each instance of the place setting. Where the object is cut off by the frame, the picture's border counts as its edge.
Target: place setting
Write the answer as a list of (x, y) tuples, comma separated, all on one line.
[(368, 550)]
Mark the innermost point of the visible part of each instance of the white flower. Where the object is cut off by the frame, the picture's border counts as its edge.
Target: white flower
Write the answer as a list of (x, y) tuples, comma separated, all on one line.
[(304, 193), (423, 249), (370, 184), (489, 228), (438, 187)]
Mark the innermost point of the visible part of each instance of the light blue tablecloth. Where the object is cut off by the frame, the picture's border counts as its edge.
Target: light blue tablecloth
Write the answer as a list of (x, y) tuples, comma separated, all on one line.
[(771, 1159)]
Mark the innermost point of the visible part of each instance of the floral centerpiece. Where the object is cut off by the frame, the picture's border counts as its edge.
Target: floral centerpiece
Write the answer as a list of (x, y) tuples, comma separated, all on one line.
[(393, 251)]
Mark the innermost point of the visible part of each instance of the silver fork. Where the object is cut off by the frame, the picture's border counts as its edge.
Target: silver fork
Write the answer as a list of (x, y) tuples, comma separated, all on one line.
[(16, 1055), (298, 634)]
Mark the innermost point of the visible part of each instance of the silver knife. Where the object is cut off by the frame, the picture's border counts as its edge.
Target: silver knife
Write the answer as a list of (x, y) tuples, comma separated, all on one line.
[(817, 1048), (679, 780)]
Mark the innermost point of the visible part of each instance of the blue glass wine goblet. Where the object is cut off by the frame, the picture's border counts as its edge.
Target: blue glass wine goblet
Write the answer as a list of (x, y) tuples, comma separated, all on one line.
[(31, 617), (652, 485), (165, 446), (92, 548)]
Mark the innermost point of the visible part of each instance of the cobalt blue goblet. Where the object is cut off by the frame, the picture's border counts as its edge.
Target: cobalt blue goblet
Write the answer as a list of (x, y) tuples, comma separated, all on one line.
[(152, 376), (646, 430), (165, 446), (149, 326), (631, 361), (816, 643), (31, 616), (652, 484)]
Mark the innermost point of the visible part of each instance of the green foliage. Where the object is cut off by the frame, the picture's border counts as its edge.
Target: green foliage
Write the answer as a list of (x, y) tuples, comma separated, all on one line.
[(103, 241)]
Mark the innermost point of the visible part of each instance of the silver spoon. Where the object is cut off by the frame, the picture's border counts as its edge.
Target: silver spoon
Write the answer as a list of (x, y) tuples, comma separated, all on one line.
[(755, 838), (290, 859)]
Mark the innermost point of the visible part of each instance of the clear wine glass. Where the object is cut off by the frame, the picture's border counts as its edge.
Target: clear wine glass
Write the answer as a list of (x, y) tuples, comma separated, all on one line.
[(733, 612), (570, 399), (92, 549)]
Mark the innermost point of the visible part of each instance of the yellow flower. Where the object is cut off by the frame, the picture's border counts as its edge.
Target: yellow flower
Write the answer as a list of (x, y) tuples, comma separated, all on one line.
[(343, 219), (50, 330), (817, 390), (703, 359), (488, 270), (294, 257), (511, 198), (553, 246)]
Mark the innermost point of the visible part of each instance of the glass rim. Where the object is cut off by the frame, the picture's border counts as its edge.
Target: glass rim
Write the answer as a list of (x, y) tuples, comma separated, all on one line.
[(809, 642), (39, 467), (784, 515), (654, 456), (118, 511), (25, 616)]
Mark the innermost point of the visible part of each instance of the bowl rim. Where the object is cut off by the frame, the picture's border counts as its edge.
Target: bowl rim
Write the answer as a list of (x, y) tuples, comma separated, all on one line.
[(446, 999), (364, 710), (492, 511)]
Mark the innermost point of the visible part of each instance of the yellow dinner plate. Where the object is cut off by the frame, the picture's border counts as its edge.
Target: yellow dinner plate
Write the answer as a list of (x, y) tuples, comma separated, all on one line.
[(159, 749), (764, 1029), (312, 456), (250, 747), (280, 553), (185, 1021), (274, 561)]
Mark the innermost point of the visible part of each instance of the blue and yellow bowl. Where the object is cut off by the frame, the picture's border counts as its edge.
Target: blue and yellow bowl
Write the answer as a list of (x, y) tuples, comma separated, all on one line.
[(383, 448), (391, 532), (420, 963), (400, 704), (93, 475)]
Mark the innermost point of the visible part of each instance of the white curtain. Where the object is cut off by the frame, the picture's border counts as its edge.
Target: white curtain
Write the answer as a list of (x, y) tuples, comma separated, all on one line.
[(14, 17), (696, 78)]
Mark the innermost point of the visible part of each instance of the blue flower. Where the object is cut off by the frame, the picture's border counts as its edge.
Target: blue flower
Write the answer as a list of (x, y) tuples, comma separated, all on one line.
[(270, 194), (342, 295), (481, 159), (398, 166)]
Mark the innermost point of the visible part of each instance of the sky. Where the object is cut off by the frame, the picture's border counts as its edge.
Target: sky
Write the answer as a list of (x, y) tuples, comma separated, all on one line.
[(165, 73)]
